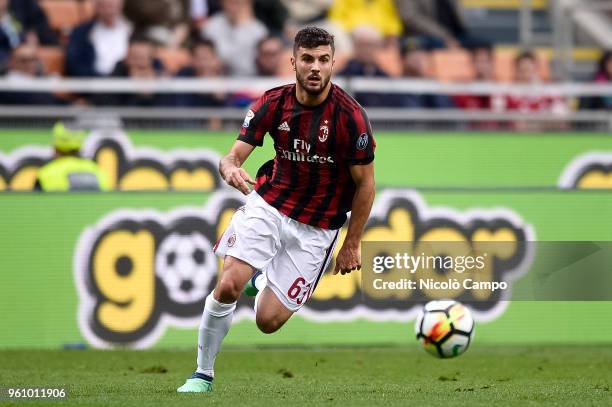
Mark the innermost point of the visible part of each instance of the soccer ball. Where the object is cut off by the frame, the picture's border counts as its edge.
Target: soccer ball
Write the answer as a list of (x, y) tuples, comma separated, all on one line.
[(445, 328), (186, 265)]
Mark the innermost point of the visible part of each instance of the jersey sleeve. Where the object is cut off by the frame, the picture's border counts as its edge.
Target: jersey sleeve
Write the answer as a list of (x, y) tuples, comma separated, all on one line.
[(361, 140), (256, 123)]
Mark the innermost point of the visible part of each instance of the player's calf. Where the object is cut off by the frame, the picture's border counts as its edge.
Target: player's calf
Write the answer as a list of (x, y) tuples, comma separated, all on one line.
[(271, 313), (269, 325), (228, 289)]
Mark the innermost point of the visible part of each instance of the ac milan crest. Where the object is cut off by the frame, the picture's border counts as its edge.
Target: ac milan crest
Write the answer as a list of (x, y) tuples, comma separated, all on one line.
[(231, 241), (323, 132)]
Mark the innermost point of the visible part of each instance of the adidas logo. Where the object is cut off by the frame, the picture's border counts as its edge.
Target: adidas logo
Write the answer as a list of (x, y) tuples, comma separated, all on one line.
[(284, 127)]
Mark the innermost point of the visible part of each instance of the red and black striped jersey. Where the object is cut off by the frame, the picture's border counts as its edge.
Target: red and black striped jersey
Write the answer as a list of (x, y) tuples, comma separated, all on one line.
[(309, 179)]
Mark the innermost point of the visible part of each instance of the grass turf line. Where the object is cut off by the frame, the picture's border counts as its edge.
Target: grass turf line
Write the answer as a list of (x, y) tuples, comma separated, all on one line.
[(504, 375)]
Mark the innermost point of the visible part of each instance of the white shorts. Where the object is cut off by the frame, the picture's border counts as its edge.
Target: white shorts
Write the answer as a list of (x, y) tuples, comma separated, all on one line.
[(292, 255)]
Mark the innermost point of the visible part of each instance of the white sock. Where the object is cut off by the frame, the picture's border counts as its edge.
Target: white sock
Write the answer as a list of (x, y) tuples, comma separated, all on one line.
[(260, 284), (216, 321)]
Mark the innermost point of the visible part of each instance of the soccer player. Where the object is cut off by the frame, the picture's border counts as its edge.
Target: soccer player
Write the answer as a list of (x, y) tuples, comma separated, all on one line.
[(279, 244)]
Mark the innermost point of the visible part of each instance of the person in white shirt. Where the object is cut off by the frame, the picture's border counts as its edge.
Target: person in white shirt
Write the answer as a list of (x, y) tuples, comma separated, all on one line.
[(236, 32), (95, 47)]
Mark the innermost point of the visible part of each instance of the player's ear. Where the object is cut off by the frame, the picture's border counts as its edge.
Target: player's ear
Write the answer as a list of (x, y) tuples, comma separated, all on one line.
[(293, 62)]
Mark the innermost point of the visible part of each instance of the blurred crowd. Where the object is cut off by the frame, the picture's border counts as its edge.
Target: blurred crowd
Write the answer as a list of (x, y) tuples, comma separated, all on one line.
[(419, 39)]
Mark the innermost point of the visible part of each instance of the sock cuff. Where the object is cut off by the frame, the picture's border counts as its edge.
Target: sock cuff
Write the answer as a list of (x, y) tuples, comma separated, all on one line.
[(260, 281), (216, 308), (203, 376)]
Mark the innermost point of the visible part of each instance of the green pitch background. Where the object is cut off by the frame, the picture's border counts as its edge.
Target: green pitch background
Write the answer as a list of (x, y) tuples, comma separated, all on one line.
[(330, 376), (38, 300)]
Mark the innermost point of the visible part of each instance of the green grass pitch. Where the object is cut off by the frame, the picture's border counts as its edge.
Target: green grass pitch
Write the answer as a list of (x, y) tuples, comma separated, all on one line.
[(369, 376)]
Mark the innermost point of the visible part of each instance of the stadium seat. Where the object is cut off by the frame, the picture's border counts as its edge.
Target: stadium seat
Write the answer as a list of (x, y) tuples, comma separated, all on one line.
[(503, 4), (63, 15), (452, 65), (173, 59), (52, 59), (504, 64)]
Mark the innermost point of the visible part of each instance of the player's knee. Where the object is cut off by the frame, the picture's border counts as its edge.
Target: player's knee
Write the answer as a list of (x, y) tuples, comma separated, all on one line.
[(228, 290), (268, 325)]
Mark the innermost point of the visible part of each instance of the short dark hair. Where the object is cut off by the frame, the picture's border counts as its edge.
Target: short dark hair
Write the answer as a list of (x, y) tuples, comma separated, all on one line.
[(312, 37), (483, 47), (141, 37), (261, 42), (525, 55), (203, 42)]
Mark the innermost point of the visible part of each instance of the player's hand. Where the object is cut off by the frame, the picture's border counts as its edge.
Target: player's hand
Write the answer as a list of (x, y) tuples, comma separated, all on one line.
[(348, 259), (239, 179)]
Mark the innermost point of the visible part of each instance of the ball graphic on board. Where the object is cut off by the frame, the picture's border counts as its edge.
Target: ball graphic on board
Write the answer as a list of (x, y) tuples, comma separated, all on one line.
[(186, 265)]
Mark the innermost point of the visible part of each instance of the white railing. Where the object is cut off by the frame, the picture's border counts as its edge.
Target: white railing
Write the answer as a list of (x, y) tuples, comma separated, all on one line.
[(601, 120), (259, 85)]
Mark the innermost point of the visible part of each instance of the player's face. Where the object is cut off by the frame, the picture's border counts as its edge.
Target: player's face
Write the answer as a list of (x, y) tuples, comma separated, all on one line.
[(313, 68)]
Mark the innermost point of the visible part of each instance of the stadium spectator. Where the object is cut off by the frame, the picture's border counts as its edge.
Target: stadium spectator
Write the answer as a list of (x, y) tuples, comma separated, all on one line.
[(416, 65), (304, 13), (95, 47), (25, 64), (205, 63), (68, 171), (273, 14), (210, 7), (166, 22), (603, 75), (526, 72), (269, 53), (482, 60), (199, 11), (33, 20), (379, 14), (439, 23), (366, 42), (235, 32), (140, 63), (22, 21)]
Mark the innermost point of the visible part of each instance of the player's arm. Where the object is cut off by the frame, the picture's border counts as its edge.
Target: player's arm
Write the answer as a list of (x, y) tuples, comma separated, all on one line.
[(256, 125), (230, 167), (349, 256)]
